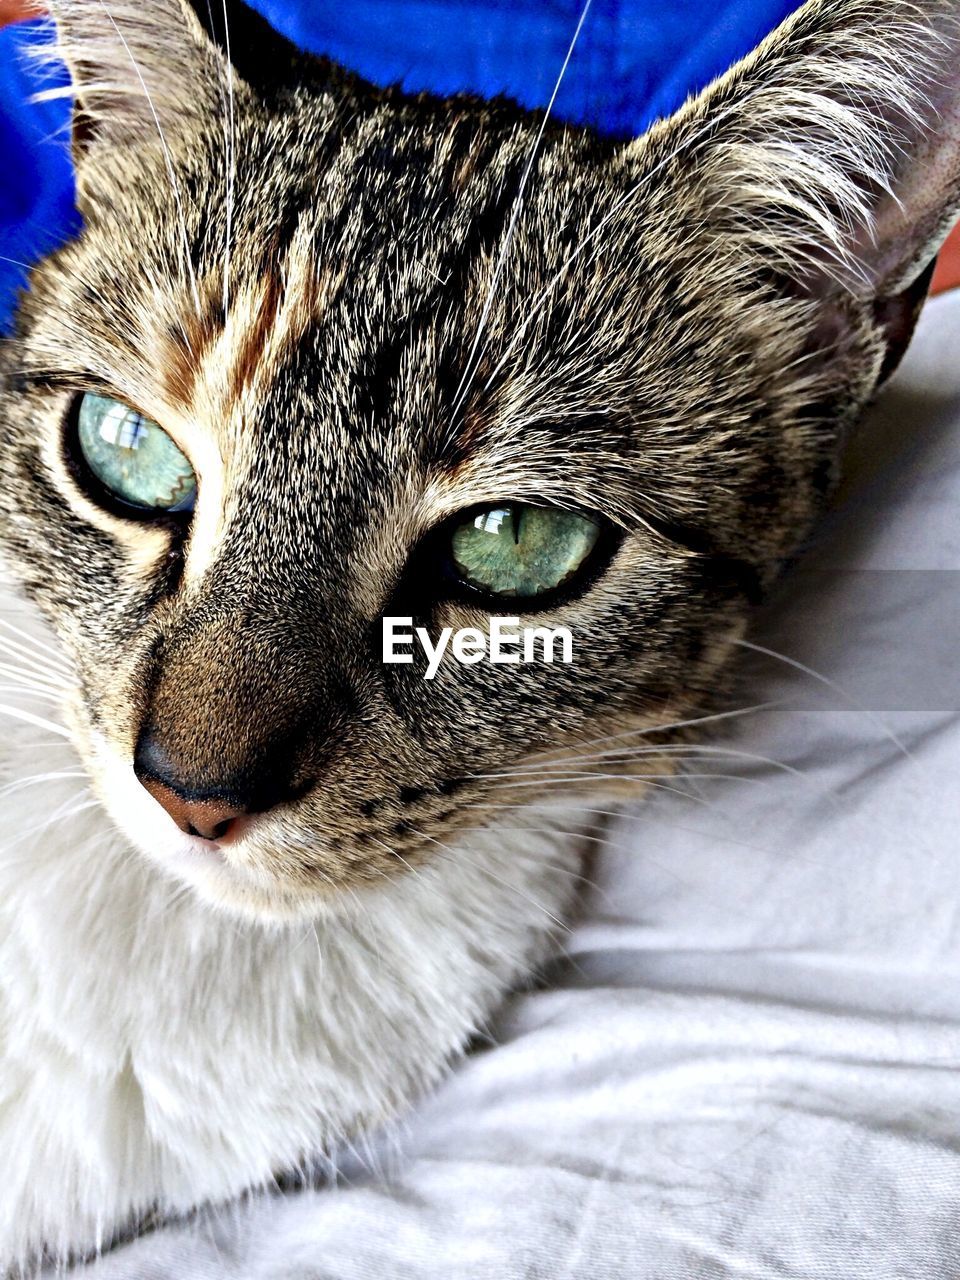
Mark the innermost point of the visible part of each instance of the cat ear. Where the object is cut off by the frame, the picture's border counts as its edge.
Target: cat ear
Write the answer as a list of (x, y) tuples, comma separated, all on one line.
[(832, 153), (137, 67)]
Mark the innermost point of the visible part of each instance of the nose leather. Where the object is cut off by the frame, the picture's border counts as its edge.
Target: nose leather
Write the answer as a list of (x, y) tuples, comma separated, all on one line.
[(211, 817)]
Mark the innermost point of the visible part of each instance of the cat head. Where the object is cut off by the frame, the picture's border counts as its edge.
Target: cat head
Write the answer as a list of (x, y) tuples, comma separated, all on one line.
[(324, 353)]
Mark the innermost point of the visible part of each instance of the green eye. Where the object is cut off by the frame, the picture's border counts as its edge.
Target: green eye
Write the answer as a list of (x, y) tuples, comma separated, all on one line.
[(521, 550), (133, 457)]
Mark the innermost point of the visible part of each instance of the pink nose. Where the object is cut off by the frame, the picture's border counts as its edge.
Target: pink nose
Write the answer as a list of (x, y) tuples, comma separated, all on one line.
[(212, 818)]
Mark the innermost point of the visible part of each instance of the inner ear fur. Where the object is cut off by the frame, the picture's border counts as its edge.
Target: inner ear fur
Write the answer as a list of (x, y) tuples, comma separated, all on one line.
[(831, 155), (137, 68)]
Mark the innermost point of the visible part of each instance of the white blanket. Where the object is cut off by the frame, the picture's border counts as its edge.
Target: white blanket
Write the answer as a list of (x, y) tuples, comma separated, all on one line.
[(749, 1066)]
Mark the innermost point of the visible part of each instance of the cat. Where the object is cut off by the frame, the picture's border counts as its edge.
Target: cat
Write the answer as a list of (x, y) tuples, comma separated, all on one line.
[(325, 353)]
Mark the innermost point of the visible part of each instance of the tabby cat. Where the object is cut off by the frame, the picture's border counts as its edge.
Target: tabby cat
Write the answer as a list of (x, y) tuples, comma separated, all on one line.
[(323, 354)]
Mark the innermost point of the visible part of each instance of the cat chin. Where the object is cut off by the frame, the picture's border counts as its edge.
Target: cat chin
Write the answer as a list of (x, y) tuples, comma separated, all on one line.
[(218, 875)]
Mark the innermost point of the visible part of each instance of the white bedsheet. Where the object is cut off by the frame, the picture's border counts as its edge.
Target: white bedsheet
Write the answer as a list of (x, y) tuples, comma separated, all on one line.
[(751, 1065)]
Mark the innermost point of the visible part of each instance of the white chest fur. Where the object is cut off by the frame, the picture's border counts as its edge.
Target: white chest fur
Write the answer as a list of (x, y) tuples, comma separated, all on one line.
[(154, 1052)]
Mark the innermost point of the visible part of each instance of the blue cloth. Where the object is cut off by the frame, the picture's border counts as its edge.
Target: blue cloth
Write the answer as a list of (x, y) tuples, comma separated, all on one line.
[(635, 60), (36, 183)]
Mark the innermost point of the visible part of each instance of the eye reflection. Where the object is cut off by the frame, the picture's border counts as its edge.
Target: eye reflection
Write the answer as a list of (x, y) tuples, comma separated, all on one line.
[(122, 427), (133, 457), (490, 521)]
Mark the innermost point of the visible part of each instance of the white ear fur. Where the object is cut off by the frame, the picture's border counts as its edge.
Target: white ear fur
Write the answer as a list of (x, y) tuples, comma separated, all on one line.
[(136, 66), (834, 149), (913, 219)]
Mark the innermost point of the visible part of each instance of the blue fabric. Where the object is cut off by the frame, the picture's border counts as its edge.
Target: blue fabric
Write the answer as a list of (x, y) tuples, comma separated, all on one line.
[(635, 60), (36, 183)]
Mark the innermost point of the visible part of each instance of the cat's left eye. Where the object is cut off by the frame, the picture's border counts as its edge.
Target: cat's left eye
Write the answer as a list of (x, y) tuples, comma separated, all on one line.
[(132, 457)]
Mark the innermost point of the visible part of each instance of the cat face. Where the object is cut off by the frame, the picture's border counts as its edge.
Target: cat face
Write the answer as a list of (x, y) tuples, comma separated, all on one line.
[(348, 324)]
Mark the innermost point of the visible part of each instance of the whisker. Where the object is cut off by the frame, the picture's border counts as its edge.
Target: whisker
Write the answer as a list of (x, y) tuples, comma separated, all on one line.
[(34, 642), (177, 194), (605, 841), (231, 163), (577, 808), (457, 854), (630, 847), (683, 751), (833, 687), (591, 776), (630, 194), (17, 713), (464, 386), (689, 723), (16, 262), (34, 673), (395, 854), (43, 695), (316, 934), (36, 778), (648, 783), (70, 808)]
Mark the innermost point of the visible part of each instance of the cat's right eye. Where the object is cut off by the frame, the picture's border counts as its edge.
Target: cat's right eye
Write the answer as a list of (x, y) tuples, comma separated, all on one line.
[(521, 551), (131, 458)]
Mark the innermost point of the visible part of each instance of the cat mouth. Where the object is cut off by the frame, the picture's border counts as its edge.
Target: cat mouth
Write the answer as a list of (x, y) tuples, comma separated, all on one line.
[(211, 863), (239, 872), (193, 851), (218, 871)]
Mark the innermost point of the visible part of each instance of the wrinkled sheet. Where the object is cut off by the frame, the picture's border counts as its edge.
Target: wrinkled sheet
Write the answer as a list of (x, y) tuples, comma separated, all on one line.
[(748, 1066)]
